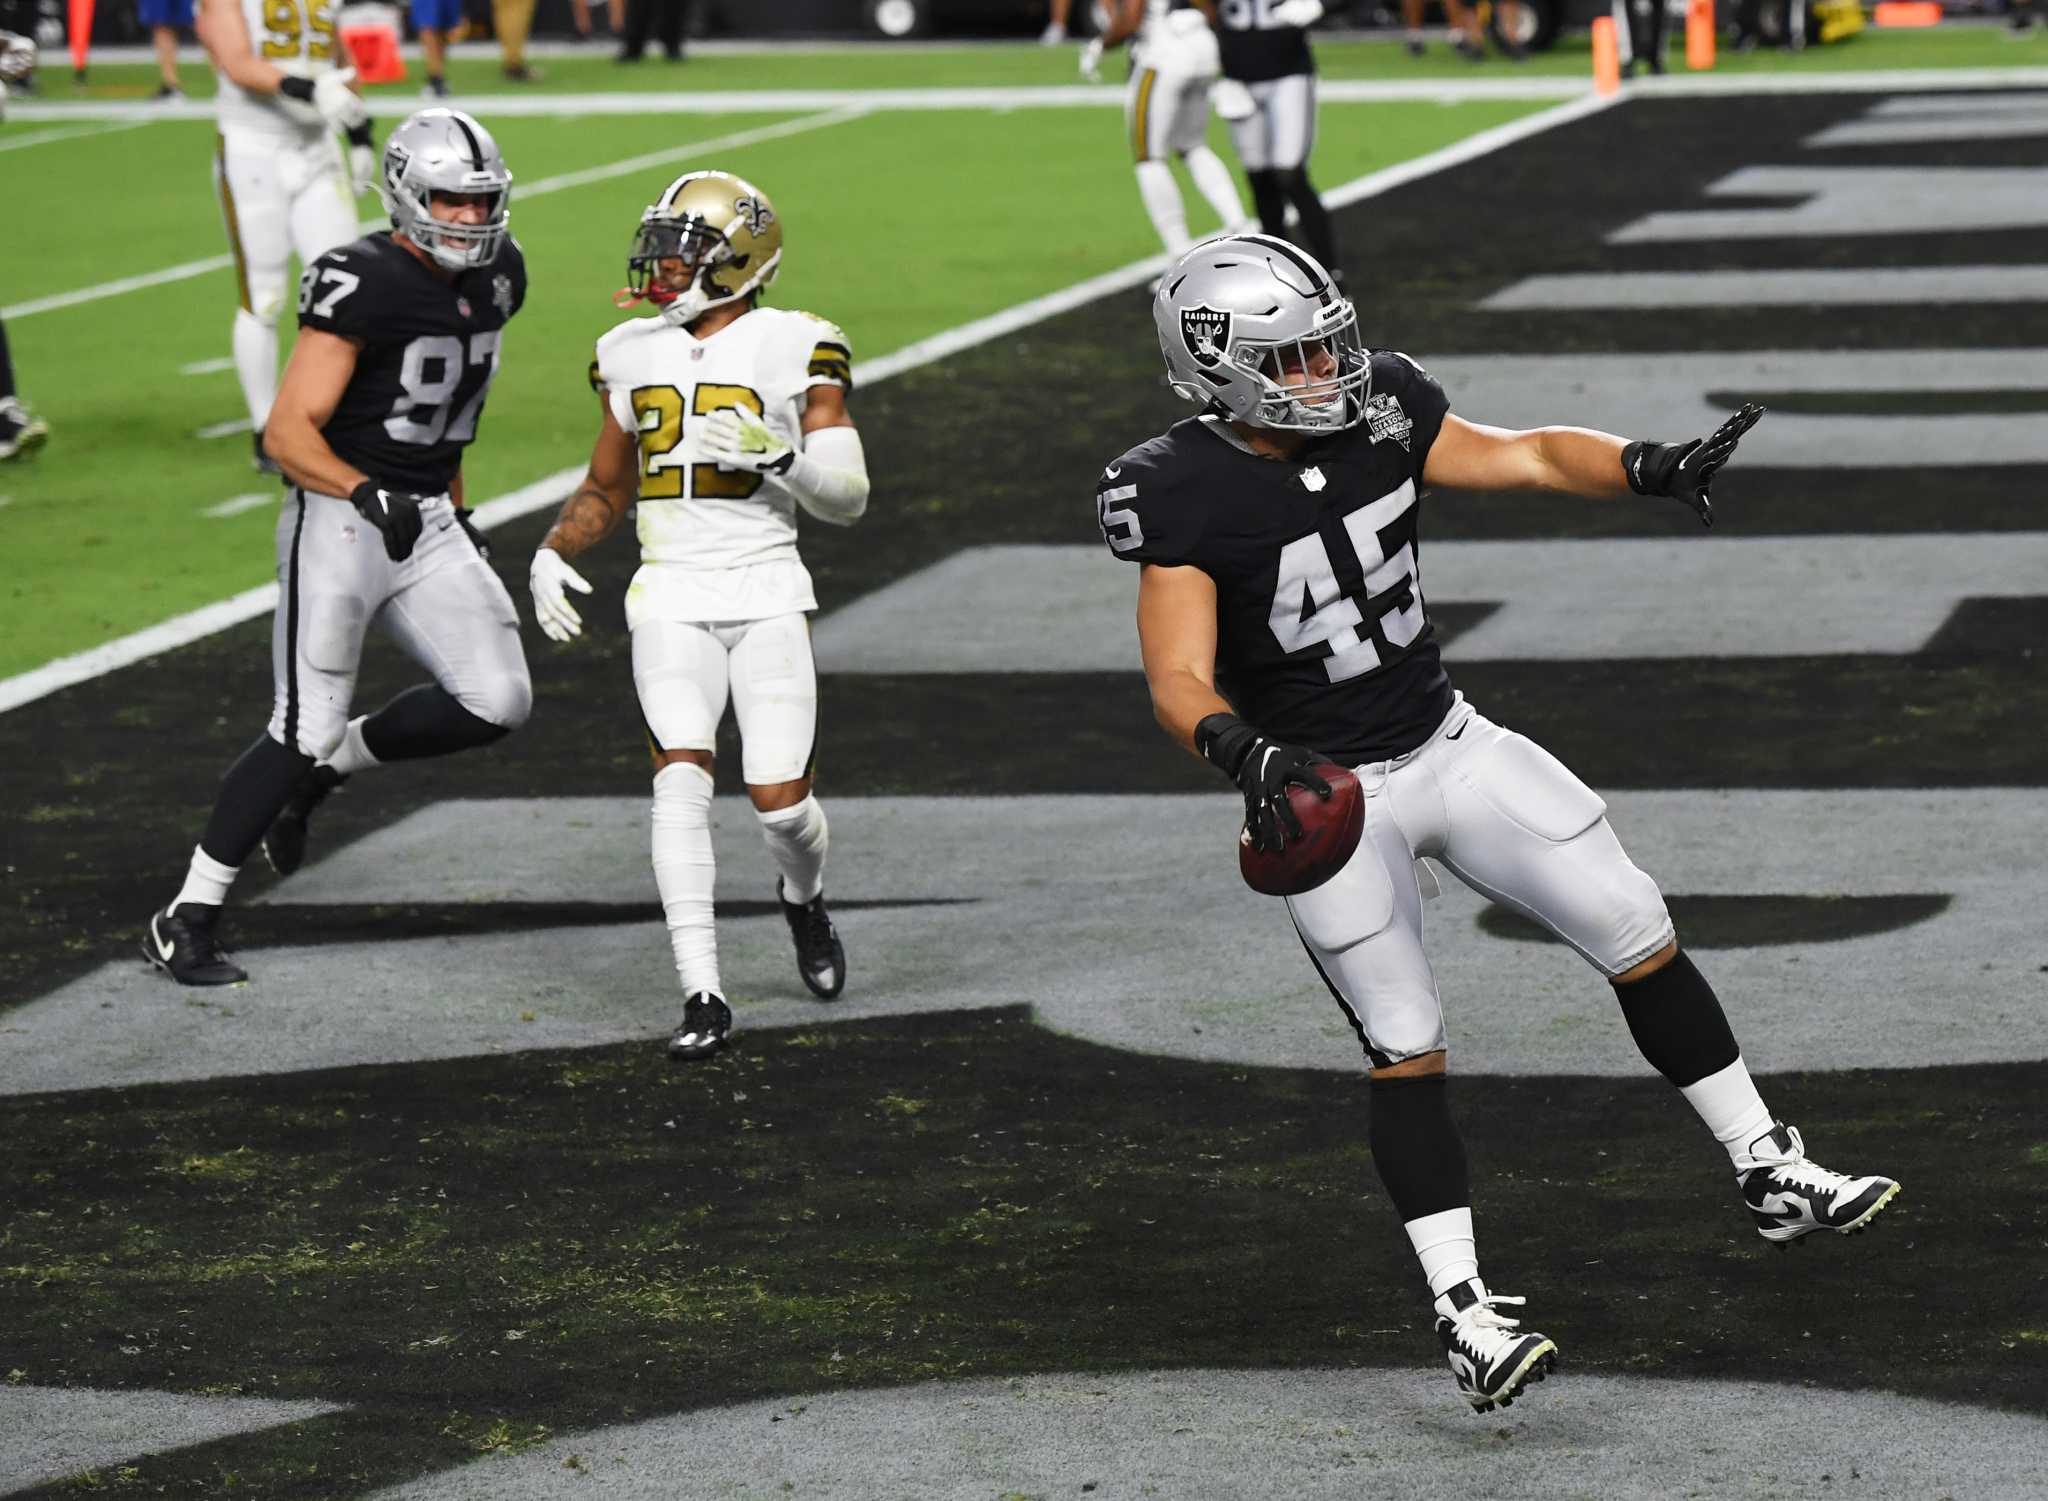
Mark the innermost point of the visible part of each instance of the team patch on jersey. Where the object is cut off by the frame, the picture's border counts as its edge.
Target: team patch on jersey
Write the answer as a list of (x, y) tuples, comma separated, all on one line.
[(833, 362), (501, 294), (1384, 415), (1206, 332)]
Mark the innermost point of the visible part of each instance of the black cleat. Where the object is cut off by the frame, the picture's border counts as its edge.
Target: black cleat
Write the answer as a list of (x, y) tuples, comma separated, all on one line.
[(1790, 1196), (706, 1024), (1489, 1354), (284, 842), (181, 944), (20, 429), (820, 956)]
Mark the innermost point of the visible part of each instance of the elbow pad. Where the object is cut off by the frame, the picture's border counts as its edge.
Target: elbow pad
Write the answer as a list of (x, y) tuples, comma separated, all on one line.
[(829, 475)]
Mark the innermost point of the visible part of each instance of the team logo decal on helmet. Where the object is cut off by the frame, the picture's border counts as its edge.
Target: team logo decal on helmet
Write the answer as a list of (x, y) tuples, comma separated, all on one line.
[(1206, 332), (755, 211)]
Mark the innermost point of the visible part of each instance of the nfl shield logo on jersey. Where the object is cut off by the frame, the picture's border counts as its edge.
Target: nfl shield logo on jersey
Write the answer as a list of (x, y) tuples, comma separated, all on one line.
[(1206, 332), (1384, 415), (462, 306)]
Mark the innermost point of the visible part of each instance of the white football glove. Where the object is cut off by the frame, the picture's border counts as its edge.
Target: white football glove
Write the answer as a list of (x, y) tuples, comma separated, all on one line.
[(548, 576), (362, 169), (343, 108), (1298, 12), (738, 439), (17, 55), (1091, 60), (1233, 100)]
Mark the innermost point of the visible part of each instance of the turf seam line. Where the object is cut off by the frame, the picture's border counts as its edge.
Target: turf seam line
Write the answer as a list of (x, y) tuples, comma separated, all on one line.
[(182, 630)]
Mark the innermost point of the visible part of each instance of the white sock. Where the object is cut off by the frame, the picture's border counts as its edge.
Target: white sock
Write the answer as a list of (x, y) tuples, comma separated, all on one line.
[(1214, 182), (1162, 202), (206, 881), (798, 838), (685, 871), (256, 364), (352, 756), (1728, 1102), (1444, 1245)]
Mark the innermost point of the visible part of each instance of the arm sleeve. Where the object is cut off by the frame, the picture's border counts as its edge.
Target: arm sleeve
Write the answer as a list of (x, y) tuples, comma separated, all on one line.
[(829, 475), (1142, 519), (338, 294), (831, 357)]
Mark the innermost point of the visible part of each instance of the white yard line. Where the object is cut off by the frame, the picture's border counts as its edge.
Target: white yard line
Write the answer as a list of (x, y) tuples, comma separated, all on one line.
[(226, 429), (16, 142), (207, 367), (523, 194), (1103, 96), (551, 489), (243, 503)]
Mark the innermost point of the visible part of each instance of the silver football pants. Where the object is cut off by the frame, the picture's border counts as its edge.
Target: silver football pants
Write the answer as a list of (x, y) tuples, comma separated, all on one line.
[(1504, 816)]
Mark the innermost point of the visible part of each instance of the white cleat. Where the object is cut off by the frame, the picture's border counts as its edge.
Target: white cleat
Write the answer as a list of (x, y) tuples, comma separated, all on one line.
[(1788, 1196), (1489, 1354)]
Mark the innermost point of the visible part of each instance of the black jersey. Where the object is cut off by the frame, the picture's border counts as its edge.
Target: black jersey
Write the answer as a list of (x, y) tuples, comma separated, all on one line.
[(1256, 47), (1322, 638), (428, 350)]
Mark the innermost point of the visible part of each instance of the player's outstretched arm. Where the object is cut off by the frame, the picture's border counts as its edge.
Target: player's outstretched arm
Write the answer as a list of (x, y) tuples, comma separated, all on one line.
[(586, 519), (1580, 461)]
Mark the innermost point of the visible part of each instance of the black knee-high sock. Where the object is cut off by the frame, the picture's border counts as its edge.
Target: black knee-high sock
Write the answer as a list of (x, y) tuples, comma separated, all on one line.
[(6, 367), (252, 794), (1416, 1147), (1677, 1021), (425, 721), (1269, 201), (1315, 219)]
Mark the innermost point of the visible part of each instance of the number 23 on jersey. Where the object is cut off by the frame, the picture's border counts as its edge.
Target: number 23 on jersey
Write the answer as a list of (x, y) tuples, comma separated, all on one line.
[(660, 410)]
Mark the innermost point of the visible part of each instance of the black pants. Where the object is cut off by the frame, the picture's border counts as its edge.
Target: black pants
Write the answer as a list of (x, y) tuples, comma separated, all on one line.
[(669, 25)]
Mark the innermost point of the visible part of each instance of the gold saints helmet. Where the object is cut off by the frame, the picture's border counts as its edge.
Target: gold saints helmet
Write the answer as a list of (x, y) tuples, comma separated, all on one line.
[(723, 227)]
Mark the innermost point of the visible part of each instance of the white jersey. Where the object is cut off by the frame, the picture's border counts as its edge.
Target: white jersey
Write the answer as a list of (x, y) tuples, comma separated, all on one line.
[(1175, 40), (718, 544), (297, 36)]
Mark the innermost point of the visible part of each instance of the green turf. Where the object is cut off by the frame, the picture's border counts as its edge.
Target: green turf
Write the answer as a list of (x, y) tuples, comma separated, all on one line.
[(1956, 46), (105, 524)]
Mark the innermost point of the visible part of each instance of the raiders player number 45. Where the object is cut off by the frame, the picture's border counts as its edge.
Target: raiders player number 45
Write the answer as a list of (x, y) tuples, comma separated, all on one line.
[(399, 337), (1282, 620)]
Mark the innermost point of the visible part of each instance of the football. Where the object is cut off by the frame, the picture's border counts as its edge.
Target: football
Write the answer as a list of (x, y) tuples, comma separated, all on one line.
[(1330, 830)]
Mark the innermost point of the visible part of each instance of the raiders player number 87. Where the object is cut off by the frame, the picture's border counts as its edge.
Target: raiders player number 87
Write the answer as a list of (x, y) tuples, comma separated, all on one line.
[(1283, 624), (399, 337)]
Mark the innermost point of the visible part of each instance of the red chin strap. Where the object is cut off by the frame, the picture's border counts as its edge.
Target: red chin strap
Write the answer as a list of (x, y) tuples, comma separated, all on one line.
[(626, 297)]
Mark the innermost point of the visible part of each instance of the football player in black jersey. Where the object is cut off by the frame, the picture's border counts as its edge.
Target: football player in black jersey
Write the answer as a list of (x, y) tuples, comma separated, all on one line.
[(398, 341), (1281, 615), (1268, 95)]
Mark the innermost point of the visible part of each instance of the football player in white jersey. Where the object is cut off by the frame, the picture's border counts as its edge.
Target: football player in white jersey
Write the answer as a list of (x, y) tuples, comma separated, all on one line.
[(721, 418), (1174, 64), (285, 88)]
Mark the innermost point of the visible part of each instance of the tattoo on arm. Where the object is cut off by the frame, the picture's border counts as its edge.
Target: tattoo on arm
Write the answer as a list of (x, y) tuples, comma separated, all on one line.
[(588, 517)]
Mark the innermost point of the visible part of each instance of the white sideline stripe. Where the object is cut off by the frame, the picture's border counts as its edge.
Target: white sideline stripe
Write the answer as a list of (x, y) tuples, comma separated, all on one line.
[(68, 133), (1072, 96), (546, 185), (243, 503), (1895, 287), (184, 629), (207, 367)]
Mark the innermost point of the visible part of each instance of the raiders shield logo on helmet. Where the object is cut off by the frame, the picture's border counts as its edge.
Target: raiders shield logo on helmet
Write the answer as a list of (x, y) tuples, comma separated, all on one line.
[(1206, 332)]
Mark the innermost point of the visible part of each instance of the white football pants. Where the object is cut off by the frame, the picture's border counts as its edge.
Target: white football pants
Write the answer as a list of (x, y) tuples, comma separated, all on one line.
[(277, 197), (1508, 820), (443, 605), (1280, 131), (685, 672)]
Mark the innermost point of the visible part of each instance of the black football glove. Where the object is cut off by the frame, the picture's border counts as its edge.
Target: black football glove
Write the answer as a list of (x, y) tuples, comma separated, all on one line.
[(395, 513), (1263, 769), (1683, 471)]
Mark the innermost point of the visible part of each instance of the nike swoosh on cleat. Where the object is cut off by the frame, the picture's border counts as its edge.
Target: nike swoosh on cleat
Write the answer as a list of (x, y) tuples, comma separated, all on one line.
[(164, 950)]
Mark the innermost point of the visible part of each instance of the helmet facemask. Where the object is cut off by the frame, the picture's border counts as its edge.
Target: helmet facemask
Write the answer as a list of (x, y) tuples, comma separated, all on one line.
[(460, 246), (1316, 383), (694, 242)]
